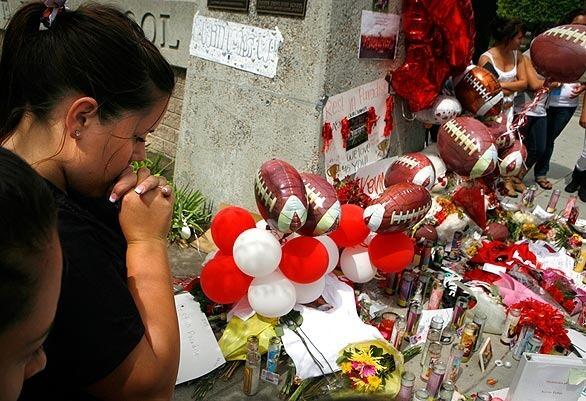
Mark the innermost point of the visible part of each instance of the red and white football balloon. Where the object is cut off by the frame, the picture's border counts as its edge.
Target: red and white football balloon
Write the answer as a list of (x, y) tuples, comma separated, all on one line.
[(503, 137), (559, 54), (411, 167), (399, 208), (444, 109), (479, 92), (467, 147), (280, 196), (324, 207), (513, 159)]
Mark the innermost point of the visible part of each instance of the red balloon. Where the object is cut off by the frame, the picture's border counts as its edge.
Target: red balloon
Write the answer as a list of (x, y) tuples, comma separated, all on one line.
[(305, 260), (391, 252), (223, 282), (352, 229), (228, 224)]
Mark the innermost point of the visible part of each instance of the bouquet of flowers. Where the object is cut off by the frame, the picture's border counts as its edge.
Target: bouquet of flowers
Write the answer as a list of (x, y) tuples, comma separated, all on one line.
[(548, 323), (373, 366), (561, 289), (349, 191)]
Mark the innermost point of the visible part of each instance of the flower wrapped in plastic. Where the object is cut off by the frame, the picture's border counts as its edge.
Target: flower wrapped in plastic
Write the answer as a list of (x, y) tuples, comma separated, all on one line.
[(562, 290), (548, 323), (372, 367)]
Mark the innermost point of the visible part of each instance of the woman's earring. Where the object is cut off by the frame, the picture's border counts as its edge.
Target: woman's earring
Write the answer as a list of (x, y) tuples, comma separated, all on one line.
[(77, 133)]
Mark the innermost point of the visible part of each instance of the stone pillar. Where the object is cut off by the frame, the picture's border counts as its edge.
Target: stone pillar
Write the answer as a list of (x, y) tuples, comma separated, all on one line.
[(233, 121)]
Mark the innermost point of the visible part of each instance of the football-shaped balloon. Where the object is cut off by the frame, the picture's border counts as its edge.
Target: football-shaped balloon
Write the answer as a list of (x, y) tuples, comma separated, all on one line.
[(479, 92), (467, 148), (497, 232), (280, 196), (324, 208), (426, 232), (512, 159), (559, 54), (411, 167), (444, 109), (399, 208), (503, 138)]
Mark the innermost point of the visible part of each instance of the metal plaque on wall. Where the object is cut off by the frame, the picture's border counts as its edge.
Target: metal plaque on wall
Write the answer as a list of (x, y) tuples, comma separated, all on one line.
[(232, 5), (290, 8)]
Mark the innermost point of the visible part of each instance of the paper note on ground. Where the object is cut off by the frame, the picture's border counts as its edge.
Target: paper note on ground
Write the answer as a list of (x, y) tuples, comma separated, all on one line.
[(200, 353)]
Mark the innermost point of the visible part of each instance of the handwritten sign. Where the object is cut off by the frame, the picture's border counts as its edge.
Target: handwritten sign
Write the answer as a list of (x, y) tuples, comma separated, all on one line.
[(371, 178), (200, 352), (353, 108), (244, 47)]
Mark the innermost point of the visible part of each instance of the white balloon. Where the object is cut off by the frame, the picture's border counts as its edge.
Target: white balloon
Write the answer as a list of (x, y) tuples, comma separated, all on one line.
[(307, 293), (262, 224), (333, 252), (355, 263), (444, 109), (272, 295), (209, 257), (257, 252)]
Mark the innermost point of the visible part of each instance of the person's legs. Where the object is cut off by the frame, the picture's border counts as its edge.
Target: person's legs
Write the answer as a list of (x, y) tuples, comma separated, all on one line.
[(539, 133), (529, 142), (557, 119)]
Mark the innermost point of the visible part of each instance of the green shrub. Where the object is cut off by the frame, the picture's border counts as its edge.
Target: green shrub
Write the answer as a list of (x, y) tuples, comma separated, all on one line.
[(537, 13)]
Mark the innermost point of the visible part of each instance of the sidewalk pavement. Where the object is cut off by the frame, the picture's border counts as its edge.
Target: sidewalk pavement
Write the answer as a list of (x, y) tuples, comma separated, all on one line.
[(568, 148)]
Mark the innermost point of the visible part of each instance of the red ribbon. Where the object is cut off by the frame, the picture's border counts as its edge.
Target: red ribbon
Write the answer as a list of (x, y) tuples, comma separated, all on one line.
[(327, 136), (345, 131), (371, 119), (389, 116)]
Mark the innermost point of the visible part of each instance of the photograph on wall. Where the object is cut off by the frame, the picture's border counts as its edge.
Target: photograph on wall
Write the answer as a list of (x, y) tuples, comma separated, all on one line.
[(378, 35), (355, 129)]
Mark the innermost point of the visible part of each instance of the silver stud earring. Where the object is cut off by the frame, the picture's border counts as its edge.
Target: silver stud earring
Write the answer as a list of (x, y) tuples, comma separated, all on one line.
[(77, 133)]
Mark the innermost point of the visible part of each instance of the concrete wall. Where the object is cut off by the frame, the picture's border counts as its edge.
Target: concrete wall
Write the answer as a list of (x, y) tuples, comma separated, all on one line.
[(233, 121)]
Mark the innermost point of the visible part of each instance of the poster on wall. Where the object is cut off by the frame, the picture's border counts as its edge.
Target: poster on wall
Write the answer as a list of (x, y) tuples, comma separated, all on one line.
[(379, 33), (357, 127)]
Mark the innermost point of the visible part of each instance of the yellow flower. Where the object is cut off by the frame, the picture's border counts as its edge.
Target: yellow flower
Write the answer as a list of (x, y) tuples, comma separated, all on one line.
[(366, 358), (346, 367), (374, 382)]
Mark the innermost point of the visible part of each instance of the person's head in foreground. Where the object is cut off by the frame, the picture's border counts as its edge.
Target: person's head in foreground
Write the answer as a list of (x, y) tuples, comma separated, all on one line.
[(30, 272), (507, 33)]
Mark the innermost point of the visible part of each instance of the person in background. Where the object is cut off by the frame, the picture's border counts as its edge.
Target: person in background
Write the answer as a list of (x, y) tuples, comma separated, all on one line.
[(560, 108), (507, 64), (534, 133), (81, 89), (30, 272)]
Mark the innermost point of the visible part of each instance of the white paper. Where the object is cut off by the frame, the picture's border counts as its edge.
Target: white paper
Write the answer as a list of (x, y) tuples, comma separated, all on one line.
[(425, 321), (489, 267), (371, 178), (578, 340), (344, 159), (329, 331), (382, 28), (244, 47), (241, 310), (200, 352)]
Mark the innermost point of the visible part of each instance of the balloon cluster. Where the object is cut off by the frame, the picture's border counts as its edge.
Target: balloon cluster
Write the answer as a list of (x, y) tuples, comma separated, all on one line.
[(439, 41), (282, 260)]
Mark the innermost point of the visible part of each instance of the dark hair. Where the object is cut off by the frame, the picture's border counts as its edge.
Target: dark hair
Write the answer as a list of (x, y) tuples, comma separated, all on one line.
[(569, 17), (28, 219), (95, 50), (503, 30)]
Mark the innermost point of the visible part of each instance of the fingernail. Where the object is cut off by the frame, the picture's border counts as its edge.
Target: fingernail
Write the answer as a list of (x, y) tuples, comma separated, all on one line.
[(139, 190), (113, 198)]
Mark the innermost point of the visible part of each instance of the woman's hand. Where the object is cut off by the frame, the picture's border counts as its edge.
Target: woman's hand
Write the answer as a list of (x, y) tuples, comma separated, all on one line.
[(577, 90), (147, 217), (141, 182)]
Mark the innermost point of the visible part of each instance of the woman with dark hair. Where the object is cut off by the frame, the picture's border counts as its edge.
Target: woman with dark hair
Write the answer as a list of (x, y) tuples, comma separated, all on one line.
[(507, 63), (81, 89), (30, 272)]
